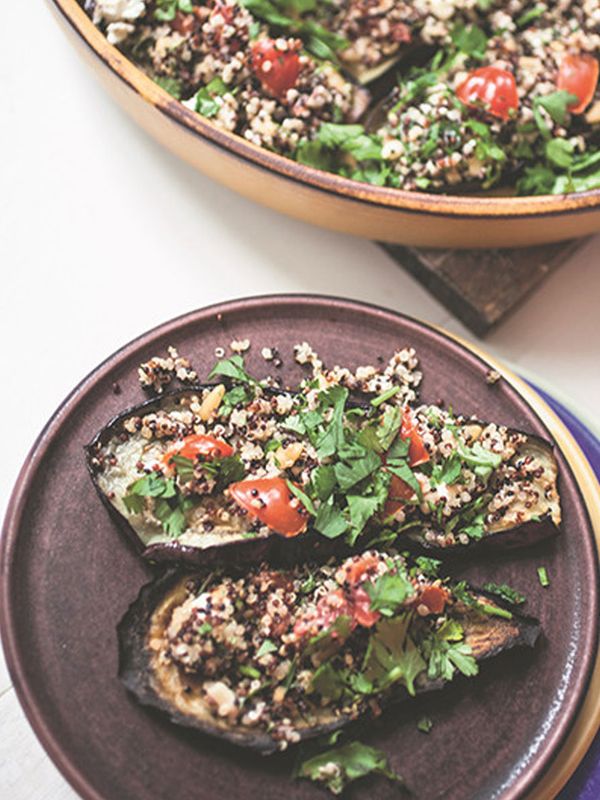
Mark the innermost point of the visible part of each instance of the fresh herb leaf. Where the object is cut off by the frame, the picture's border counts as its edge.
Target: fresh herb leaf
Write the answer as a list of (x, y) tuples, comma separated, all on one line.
[(153, 485), (303, 497), (328, 682), (184, 467), (389, 427), (166, 10), (385, 396), (249, 671), (424, 725), (225, 471), (462, 592), (349, 473), (392, 656), (448, 471), (232, 368), (543, 576), (266, 647), (339, 767), (330, 439), (560, 152), (556, 104), (323, 481), (530, 16), (470, 40), (446, 652), (388, 593), (505, 592), (330, 521), (171, 85), (428, 566)]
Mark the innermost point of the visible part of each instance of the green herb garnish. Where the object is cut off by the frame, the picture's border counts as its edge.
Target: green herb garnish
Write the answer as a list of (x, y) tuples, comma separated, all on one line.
[(543, 576), (337, 768)]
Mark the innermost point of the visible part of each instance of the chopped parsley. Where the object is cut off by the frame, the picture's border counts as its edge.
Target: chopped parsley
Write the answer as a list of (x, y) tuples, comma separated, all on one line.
[(462, 592), (389, 592), (424, 725), (266, 647), (166, 10), (170, 506), (232, 368), (447, 652), (543, 576), (505, 592), (337, 768)]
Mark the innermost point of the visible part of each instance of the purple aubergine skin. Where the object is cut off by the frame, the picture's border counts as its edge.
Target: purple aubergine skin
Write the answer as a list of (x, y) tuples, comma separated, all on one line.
[(280, 549), (275, 548), (136, 674)]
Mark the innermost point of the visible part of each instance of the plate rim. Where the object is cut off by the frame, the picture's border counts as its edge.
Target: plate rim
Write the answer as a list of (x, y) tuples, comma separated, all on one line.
[(570, 748)]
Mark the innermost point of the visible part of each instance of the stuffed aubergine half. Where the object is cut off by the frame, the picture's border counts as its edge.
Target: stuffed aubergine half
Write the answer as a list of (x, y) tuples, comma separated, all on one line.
[(271, 657), (248, 469)]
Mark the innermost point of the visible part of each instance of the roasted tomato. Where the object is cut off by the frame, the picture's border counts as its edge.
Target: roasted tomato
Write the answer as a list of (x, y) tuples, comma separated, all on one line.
[(578, 75), (356, 569), (276, 69), (398, 494), (270, 501), (198, 445), (329, 607), (360, 604), (417, 452), (434, 598), (354, 604), (493, 88)]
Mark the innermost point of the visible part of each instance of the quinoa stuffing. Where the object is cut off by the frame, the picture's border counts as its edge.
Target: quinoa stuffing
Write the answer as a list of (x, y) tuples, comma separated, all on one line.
[(284, 652), (483, 94), (351, 456)]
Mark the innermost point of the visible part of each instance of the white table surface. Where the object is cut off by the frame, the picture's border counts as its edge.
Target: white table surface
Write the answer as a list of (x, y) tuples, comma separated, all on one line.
[(92, 213)]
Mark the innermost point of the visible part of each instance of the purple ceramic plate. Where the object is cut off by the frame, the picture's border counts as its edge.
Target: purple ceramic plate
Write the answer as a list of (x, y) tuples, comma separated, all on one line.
[(68, 577)]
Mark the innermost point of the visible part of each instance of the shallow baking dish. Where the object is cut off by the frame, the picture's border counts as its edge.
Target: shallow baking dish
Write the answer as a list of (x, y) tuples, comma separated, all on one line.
[(322, 198)]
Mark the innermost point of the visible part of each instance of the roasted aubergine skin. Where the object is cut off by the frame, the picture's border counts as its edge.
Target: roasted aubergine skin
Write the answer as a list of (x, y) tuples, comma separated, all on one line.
[(504, 498), (268, 658)]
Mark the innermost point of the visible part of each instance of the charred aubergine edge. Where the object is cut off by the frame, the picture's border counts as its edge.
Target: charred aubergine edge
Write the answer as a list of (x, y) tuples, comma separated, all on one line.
[(269, 657), (210, 470)]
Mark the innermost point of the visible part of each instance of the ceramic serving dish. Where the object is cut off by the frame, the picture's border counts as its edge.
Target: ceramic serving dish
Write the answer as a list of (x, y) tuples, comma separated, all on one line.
[(67, 577), (325, 199)]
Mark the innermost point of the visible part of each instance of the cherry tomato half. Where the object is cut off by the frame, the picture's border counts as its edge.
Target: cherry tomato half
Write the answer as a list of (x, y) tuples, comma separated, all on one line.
[(398, 493), (198, 445), (493, 88), (356, 605), (277, 70), (434, 598), (417, 452), (270, 501), (360, 604), (355, 570), (329, 607), (578, 75)]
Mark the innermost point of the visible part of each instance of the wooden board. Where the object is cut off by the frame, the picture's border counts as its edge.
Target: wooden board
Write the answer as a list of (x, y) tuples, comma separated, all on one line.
[(482, 287)]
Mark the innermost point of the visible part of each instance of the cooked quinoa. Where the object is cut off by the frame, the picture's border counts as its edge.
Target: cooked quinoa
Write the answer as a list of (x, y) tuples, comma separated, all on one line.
[(487, 94), (351, 454), (284, 651)]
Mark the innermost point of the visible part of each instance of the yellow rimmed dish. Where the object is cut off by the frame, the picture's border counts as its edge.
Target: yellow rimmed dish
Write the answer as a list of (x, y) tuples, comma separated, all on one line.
[(322, 198)]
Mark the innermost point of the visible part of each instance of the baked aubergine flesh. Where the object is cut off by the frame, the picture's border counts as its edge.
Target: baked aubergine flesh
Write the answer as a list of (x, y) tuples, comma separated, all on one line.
[(272, 657), (204, 468)]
